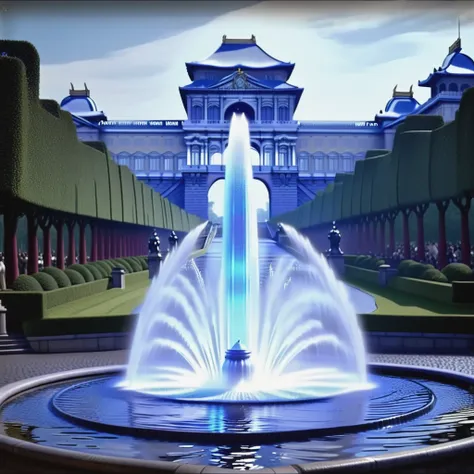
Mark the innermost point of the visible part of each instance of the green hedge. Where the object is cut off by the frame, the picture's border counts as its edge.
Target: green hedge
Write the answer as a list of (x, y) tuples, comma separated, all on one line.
[(39, 145), (74, 276), (26, 305), (386, 181)]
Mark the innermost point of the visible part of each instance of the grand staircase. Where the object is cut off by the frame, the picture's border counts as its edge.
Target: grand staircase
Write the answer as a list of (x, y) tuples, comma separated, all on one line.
[(14, 344)]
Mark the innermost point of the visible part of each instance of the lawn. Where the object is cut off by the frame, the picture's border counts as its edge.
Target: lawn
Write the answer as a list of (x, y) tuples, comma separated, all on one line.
[(398, 303), (114, 302)]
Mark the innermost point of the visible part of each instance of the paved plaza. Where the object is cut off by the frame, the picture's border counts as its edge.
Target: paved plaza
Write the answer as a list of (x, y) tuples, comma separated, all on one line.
[(23, 366)]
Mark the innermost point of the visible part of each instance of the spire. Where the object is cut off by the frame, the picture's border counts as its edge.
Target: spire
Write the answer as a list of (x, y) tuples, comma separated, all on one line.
[(456, 46)]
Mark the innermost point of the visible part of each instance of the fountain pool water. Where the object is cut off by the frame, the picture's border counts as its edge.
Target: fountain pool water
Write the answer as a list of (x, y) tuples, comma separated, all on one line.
[(294, 338), (218, 355)]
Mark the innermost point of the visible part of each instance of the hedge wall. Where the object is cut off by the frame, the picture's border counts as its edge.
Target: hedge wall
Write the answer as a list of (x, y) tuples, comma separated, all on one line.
[(430, 162), (39, 145)]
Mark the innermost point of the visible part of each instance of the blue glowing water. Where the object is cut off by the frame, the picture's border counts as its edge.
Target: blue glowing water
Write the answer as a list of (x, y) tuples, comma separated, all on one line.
[(240, 272), (298, 323)]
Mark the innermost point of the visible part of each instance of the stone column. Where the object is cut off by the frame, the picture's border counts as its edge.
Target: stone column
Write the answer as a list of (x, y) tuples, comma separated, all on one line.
[(10, 220), (188, 156), (205, 108), (59, 224), (32, 244), (82, 242), (71, 252), (94, 241), (47, 244), (275, 109)]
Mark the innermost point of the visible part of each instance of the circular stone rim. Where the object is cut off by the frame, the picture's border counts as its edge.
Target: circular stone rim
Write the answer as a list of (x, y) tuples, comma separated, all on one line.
[(64, 458), (163, 434)]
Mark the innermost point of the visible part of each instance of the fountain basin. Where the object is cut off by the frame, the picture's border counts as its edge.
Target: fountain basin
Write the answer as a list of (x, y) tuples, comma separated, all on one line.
[(436, 422)]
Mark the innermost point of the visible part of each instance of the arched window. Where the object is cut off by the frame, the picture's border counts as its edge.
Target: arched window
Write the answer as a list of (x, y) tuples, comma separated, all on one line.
[(213, 113), (319, 162), (181, 159), (267, 114), (464, 87), (195, 155), (442, 88), (196, 112), (283, 156), (453, 87), (333, 162), (168, 161), (139, 161), (347, 162), (154, 161), (283, 114), (268, 156), (303, 160), (123, 158)]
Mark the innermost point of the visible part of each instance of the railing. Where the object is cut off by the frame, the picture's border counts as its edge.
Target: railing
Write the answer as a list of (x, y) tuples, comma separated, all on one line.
[(227, 122), (209, 238)]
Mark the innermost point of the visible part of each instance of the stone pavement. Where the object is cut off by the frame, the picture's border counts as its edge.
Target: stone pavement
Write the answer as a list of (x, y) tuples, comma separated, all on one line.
[(23, 366)]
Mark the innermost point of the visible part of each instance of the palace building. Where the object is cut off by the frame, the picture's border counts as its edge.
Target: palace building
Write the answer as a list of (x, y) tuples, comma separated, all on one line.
[(294, 159)]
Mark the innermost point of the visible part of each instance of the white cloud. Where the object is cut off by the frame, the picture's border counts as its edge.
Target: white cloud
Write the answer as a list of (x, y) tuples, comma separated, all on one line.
[(142, 82)]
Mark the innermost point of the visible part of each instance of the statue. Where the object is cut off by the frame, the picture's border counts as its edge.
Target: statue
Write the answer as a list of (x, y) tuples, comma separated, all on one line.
[(173, 240), (154, 245), (334, 238)]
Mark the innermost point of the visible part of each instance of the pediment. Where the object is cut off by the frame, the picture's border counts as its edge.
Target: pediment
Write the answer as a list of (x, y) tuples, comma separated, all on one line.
[(239, 81)]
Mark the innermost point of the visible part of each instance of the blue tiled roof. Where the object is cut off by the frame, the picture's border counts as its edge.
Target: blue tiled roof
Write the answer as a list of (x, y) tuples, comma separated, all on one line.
[(82, 106), (213, 84), (246, 55), (454, 64)]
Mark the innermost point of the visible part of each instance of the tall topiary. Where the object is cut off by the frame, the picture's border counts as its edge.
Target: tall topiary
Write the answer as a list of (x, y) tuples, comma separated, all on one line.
[(47, 282), (26, 283), (95, 271), (75, 277), (87, 275), (60, 277)]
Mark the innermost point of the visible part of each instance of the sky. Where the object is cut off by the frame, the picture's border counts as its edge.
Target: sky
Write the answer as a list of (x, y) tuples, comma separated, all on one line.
[(348, 55)]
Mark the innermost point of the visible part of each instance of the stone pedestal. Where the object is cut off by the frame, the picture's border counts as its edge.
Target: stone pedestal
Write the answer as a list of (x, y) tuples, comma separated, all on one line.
[(3, 321), (154, 263), (118, 278), (336, 262), (385, 274)]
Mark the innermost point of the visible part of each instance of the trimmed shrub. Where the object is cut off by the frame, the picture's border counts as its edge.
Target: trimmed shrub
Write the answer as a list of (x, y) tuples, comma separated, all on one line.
[(86, 274), (457, 272), (106, 269), (417, 269), (108, 263), (374, 263), (125, 264), (404, 267), (433, 274), (117, 264), (75, 277), (136, 267), (47, 282), (59, 275), (144, 262), (358, 260), (100, 269), (94, 270), (26, 283)]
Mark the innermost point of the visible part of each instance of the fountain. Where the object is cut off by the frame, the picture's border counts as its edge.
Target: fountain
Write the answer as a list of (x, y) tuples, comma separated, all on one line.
[(258, 371), (296, 338)]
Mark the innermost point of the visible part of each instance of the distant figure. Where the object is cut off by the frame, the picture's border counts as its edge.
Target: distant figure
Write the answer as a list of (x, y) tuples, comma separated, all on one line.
[(334, 238), (173, 241), (3, 284), (154, 245)]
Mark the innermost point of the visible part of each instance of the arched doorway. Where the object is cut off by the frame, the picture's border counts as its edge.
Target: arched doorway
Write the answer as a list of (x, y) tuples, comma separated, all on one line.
[(240, 108), (260, 198)]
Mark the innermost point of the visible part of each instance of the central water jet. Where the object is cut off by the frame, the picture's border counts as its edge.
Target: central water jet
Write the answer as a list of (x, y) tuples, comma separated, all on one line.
[(240, 269)]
